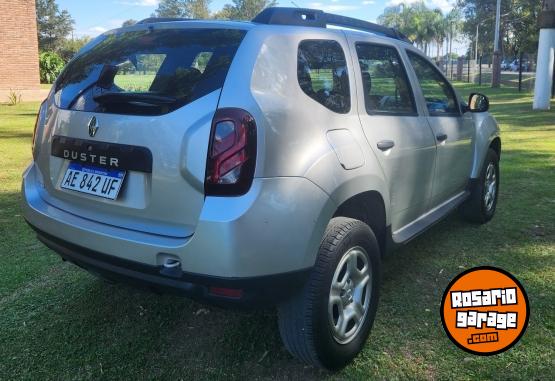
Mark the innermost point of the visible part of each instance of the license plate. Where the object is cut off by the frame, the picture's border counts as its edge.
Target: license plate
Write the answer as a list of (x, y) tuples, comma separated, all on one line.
[(97, 181)]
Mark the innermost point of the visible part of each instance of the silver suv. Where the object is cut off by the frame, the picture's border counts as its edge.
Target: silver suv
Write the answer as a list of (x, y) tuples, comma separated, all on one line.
[(270, 161)]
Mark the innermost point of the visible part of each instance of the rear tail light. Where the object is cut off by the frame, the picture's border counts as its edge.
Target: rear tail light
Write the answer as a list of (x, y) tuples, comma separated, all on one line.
[(231, 153), (36, 126)]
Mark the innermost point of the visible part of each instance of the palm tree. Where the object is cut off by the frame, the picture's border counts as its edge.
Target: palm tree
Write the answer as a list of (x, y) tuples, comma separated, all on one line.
[(420, 24), (440, 26), (399, 17), (454, 24)]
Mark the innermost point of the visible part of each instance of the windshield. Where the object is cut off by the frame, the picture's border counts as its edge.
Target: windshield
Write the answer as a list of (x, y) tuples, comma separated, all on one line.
[(149, 71)]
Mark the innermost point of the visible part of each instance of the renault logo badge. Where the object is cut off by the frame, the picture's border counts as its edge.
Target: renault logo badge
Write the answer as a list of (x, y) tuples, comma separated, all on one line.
[(93, 127)]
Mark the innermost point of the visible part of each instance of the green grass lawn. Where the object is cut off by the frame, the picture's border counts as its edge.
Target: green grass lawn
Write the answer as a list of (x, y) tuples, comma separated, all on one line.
[(508, 79), (134, 82), (58, 322)]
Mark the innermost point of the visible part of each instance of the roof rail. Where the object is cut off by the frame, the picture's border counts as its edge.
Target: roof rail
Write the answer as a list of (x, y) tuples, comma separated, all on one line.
[(150, 20), (320, 19)]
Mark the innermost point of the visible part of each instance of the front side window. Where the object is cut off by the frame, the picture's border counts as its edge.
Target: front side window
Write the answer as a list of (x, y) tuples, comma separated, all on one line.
[(322, 74), (148, 72), (438, 93), (384, 81)]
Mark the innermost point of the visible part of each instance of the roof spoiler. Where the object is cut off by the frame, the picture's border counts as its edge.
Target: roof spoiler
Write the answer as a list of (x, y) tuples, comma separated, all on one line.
[(320, 19)]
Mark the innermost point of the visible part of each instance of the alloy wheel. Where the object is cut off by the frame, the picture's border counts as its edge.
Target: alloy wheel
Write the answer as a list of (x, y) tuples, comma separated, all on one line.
[(349, 297)]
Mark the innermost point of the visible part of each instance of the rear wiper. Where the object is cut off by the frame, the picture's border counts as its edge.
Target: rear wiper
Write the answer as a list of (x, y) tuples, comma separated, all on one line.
[(148, 98)]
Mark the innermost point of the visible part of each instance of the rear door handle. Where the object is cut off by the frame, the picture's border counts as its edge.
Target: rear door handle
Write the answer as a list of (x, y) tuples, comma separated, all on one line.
[(441, 137), (384, 145)]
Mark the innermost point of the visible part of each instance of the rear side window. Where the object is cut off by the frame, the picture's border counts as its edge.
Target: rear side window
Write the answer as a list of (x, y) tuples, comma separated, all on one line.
[(384, 81), (148, 72), (322, 74)]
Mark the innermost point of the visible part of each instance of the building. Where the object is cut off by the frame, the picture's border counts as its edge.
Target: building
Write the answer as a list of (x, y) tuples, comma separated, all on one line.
[(19, 58)]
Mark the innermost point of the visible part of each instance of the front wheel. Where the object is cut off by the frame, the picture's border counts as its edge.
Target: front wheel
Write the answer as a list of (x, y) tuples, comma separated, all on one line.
[(480, 206), (327, 323)]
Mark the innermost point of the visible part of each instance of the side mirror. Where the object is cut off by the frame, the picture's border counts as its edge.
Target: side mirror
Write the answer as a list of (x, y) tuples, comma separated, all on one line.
[(478, 103)]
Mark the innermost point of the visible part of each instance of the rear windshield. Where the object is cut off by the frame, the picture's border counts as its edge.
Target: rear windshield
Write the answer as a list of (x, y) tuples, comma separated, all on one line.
[(148, 72)]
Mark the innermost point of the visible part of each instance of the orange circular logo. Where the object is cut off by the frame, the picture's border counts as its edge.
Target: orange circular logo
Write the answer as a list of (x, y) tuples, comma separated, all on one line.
[(485, 310)]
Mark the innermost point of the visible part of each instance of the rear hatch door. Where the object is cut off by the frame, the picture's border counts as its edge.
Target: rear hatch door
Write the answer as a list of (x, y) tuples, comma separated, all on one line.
[(133, 112)]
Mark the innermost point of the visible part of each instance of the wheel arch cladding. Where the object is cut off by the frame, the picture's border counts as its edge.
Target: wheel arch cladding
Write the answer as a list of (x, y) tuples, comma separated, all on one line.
[(496, 146), (486, 136), (368, 207)]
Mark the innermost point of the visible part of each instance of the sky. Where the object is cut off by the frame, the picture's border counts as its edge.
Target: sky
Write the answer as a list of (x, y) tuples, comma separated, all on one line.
[(95, 17)]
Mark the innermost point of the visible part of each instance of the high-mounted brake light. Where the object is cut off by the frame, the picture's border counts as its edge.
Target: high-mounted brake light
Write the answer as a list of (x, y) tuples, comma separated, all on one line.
[(231, 153)]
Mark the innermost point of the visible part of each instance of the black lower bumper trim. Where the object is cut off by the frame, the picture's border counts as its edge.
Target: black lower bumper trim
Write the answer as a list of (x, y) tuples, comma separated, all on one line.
[(267, 289)]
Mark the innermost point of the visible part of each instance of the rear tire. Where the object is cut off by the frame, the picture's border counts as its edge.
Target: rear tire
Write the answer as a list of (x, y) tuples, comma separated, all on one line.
[(480, 206), (328, 321)]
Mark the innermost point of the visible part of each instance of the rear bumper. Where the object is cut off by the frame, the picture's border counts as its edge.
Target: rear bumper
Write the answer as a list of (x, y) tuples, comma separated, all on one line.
[(274, 229), (253, 290)]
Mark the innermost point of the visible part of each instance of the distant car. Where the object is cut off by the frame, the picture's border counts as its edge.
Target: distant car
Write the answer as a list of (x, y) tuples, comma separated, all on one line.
[(274, 161), (505, 65), (514, 66)]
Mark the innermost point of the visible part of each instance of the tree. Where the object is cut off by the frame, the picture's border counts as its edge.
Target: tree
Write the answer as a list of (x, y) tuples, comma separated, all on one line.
[(244, 9), (453, 25), (53, 25), (199, 9), (518, 26), (419, 23), (521, 33), (441, 29), (71, 46), (481, 14), (172, 8), (398, 17), (50, 65), (129, 22), (195, 9)]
